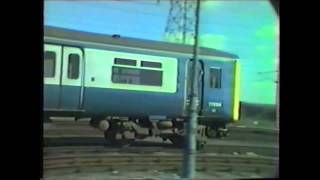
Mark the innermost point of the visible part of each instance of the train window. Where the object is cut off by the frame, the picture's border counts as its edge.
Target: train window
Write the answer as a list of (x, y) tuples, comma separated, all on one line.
[(125, 61), (150, 64), (73, 66), (49, 63), (124, 75), (215, 78)]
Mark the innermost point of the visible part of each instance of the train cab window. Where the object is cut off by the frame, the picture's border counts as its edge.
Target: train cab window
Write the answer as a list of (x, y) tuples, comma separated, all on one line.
[(150, 64), (215, 78), (49, 63), (124, 75), (73, 66), (122, 61)]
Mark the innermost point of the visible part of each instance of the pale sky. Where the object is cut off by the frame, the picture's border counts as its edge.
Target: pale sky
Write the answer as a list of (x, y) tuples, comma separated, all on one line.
[(246, 28)]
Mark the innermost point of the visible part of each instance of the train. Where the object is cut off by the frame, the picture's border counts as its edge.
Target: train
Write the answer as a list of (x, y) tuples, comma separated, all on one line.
[(136, 88)]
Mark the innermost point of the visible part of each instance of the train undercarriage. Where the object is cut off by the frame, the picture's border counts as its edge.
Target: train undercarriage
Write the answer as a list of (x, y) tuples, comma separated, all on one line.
[(123, 130)]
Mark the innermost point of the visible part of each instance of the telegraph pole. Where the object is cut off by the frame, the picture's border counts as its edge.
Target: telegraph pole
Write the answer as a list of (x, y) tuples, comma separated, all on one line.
[(277, 95), (189, 156)]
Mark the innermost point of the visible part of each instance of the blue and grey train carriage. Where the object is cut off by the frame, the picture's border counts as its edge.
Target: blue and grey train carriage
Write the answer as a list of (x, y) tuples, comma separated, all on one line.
[(133, 88)]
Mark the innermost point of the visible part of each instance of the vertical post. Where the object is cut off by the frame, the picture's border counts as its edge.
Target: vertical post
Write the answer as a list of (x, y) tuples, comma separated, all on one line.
[(277, 95), (278, 81), (189, 158)]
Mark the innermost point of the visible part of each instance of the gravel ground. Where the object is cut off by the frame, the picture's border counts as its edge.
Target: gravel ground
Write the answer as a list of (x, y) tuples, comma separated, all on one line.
[(265, 124), (150, 175), (254, 123)]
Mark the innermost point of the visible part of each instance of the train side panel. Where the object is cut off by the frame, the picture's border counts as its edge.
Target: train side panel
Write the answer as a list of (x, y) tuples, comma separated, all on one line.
[(63, 77), (218, 89), (52, 70), (128, 84)]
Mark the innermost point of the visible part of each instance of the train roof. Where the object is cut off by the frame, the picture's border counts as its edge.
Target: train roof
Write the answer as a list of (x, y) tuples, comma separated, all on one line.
[(63, 33)]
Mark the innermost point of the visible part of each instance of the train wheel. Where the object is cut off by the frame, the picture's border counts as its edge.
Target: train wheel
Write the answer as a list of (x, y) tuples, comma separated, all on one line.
[(222, 132), (210, 132), (94, 122), (117, 138), (111, 137)]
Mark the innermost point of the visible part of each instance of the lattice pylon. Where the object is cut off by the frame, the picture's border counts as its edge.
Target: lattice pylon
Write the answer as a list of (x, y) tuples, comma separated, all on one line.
[(181, 21)]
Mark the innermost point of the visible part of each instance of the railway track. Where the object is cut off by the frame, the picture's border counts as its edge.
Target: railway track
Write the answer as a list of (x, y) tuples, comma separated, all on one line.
[(83, 159), (215, 146), (76, 149), (64, 133)]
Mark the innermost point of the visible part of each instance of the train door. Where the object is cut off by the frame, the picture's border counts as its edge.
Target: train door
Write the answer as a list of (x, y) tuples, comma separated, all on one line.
[(200, 72), (51, 74), (213, 92), (71, 79)]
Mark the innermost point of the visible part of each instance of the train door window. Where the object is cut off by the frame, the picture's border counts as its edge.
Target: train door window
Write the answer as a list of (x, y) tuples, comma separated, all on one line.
[(73, 66), (215, 78), (49, 63)]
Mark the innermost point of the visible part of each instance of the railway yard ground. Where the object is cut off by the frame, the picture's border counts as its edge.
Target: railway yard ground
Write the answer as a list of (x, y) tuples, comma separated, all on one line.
[(75, 150)]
